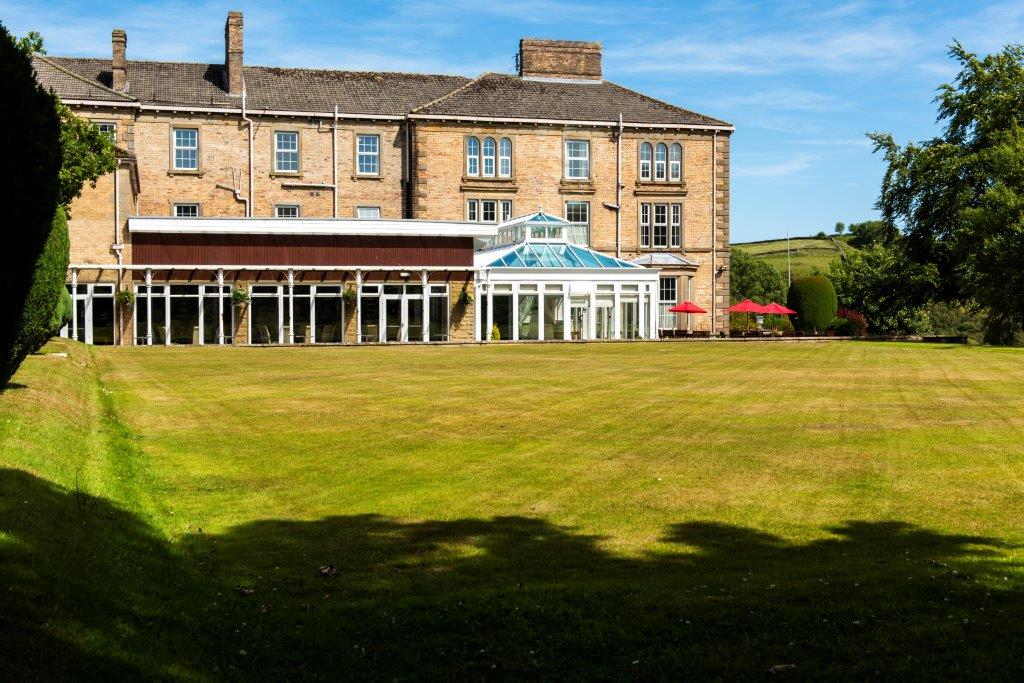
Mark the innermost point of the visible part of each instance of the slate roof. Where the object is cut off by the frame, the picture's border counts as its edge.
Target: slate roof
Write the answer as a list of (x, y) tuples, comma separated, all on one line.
[(506, 96), (370, 93)]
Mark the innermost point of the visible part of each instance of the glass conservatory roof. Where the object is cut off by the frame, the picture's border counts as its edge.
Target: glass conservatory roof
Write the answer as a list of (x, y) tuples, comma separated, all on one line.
[(556, 255)]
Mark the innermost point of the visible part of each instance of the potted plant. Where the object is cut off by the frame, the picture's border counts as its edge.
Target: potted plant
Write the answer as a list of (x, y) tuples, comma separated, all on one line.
[(239, 296), (125, 298), (465, 296), (495, 333), (349, 295)]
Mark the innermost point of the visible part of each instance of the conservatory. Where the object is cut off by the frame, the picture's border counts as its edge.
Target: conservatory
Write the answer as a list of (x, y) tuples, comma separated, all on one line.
[(532, 284)]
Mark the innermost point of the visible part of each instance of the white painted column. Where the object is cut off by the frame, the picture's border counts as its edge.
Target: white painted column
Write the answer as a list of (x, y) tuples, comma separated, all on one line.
[(616, 307), (515, 311), (426, 306), (641, 302), (566, 311), (592, 318), (149, 307), (359, 306), (74, 303), (477, 322), (490, 308), (540, 311), (167, 313), (653, 325), (220, 307), (312, 315), (291, 306)]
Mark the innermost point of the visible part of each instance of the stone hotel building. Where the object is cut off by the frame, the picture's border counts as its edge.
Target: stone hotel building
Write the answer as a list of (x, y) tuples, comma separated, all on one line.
[(266, 205)]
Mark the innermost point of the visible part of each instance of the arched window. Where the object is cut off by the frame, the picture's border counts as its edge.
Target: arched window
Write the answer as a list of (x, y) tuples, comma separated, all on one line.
[(472, 156), (675, 162), (645, 161), (660, 156), (505, 158), (488, 156)]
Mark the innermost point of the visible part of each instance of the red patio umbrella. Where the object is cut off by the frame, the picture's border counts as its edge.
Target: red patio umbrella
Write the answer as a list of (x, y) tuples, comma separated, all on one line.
[(686, 307), (747, 306), (778, 309)]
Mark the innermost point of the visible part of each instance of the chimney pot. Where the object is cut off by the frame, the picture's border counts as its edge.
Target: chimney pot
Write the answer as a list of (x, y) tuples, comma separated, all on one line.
[(569, 59), (118, 63), (233, 53)]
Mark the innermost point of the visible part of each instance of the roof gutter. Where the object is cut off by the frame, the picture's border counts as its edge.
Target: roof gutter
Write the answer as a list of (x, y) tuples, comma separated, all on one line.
[(268, 112), (562, 122)]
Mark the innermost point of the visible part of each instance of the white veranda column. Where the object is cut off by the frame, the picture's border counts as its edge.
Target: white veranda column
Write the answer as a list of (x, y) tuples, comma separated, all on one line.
[(359, 306), (515, 312), (592, 318), (641, 302), (490, 308), (540, 310), (477, 323), (616, 314), (149, 307), (426, 307), (566, 310), (653, 318), (291, 307), (220, 307), (74, 303)]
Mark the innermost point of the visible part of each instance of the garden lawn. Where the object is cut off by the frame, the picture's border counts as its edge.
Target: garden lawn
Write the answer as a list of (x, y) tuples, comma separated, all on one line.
[(557, 510)]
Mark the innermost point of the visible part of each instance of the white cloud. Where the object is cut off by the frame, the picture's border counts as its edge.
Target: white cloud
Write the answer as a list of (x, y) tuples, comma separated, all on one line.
[(776, 169)]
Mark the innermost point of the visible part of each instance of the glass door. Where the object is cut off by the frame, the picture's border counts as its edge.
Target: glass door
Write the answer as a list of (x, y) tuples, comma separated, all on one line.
[(393, 323), (579, 319), (413, 318)]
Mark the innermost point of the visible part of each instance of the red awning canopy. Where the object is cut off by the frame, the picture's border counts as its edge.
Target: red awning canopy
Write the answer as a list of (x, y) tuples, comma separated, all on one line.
[(778, 309), (747, 306), (686, 307)]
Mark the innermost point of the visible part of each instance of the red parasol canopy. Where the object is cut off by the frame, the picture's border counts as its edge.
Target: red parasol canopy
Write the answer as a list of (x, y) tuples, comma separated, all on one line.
[(778, 309), (686, 307), (747, 306)]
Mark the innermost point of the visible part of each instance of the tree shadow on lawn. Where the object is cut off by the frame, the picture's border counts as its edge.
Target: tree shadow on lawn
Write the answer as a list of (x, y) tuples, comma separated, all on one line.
[(89, 589)]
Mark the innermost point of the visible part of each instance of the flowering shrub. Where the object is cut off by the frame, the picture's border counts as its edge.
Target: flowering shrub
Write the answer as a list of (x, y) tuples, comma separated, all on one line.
[(851, 323)]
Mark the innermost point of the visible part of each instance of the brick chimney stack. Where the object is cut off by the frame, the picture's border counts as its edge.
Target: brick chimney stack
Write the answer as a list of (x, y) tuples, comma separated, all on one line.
[(233, 54), (567, 59), (118, 64)]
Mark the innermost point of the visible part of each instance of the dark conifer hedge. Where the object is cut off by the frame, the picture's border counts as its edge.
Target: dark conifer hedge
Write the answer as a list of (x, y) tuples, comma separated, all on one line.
[(814, 300)]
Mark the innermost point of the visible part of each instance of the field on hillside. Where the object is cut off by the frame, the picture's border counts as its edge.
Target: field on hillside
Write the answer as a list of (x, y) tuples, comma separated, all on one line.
[(646, 510), (806, 253)]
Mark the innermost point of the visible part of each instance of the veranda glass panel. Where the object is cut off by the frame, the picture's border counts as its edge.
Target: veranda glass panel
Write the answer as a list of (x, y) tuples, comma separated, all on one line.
[(210, 312), (369, 320), (415, 313), (301, 331), (184, 319), (502, 315), (603, 320), (265, 320), (439, 318), (102, 320), (159, 319), (328, 319), (528, 318), (629, 318), (554, 316)]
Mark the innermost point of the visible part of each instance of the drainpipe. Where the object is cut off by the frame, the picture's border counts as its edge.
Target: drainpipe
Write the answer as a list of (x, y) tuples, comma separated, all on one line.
[(248, 121), (334, 160), (407, 199), (618, 191), (117, 246), (714, 230)]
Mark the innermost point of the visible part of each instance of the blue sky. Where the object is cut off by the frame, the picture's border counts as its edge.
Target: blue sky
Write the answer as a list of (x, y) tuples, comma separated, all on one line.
[(802, 81)]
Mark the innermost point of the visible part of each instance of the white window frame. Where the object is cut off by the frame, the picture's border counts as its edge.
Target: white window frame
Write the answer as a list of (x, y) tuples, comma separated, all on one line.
[(505, 158), (572, 155), (675, 226), (193, 148), (488, 164), (657, 223), (472, 210), (109, 128), (645, 226), (506, 210), (472, 156), (488, 206), (667, 320), (280, 209), (374, 210), (291, 154), (578, 225), (660, 162), (367, 155), (646, 159), (186, 205), (675, 162)]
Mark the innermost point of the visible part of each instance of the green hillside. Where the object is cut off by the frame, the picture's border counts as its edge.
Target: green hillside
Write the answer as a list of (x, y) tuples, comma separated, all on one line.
[(806, 253)]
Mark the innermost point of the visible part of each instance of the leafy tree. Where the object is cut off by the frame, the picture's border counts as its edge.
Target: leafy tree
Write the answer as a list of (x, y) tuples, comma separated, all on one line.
[(31, 43), (88, 154), (840, 227), (814, 300), (887, 286), (872, 232), (30, 138), (752, 278), (960, 196)]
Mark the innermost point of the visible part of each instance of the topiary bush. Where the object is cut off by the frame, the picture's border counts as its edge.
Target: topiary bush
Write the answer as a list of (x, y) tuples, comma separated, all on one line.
[(814, 300), (30, 138), (42, 317)]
